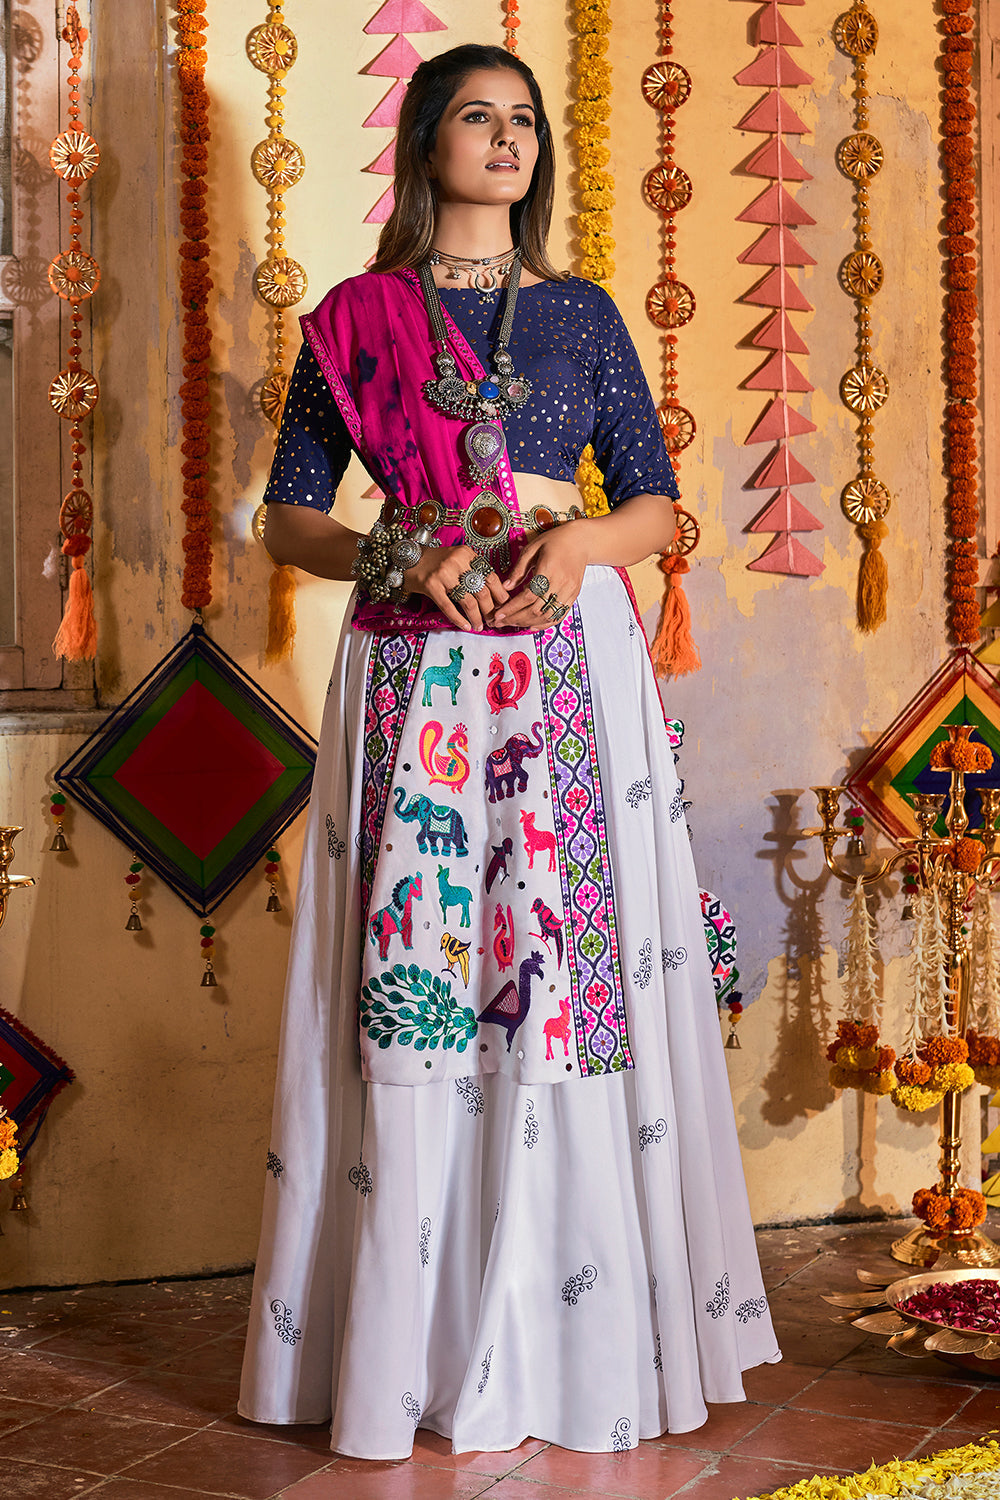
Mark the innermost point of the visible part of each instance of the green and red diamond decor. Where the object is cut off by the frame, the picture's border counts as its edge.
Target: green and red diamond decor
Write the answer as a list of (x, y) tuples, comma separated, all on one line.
[(962, 692), (198, 770), (30, 1074)]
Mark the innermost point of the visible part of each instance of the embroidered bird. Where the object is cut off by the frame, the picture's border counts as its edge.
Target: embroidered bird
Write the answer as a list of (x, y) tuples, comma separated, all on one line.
[(551, 927), (497, 867), (456, 952), (501, 694), (503, 942), (452, 768), (510, 1005)]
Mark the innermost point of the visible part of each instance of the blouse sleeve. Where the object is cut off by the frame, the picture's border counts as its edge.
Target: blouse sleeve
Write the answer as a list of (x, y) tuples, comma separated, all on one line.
[(628, 443), (314, 446)]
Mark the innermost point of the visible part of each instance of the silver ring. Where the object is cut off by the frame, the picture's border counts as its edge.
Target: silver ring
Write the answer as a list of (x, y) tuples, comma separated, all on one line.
[(539, 585), (472, 582), (457, 594), (481, 565)]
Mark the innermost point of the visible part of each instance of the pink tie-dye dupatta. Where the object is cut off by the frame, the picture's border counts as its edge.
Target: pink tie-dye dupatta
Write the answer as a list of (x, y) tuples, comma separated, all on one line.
[(372, 339)]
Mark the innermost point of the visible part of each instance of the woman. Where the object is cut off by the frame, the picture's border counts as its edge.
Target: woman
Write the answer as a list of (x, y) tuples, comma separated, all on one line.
[(520, 1211)]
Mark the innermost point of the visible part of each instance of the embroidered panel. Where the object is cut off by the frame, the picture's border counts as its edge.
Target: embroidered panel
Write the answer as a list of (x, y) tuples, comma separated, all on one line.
[(588, 894), (392, 671)]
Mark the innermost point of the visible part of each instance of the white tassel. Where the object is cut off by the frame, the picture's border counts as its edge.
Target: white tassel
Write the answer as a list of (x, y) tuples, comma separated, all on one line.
[(938, 971), (861, 977), (985, 966), (918, 975)]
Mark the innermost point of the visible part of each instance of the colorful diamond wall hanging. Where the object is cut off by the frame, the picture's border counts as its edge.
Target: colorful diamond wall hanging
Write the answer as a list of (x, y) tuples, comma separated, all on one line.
[(198, 771), (962, 692), (30, 1074)]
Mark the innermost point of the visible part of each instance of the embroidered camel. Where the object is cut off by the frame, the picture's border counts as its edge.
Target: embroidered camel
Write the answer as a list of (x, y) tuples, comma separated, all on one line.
[(505, 765), (503, 942), (449, 677), (397, 916), (551, 928), (497, 867), (536, 840), (500, 694), (557, 1028), (456, 952), (452, 768), (453, 895), (509, 1007)]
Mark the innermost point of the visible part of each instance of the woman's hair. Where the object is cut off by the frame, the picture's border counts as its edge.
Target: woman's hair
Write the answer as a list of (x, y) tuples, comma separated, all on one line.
[(407, 235)]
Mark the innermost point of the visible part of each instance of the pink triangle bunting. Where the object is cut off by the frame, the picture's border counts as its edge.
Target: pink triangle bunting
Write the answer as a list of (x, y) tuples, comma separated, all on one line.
[(398, 60), (403, 15), (387, 111), (773, 68), (773, 115), (779, 421), (774, 30), (382, 209), (385, 163), (786, 555), (776, 247), (775, 206), (778, 333), (775, 160), (778, 373), (373, 493), (782, 468), (785, 513), (778, 289)]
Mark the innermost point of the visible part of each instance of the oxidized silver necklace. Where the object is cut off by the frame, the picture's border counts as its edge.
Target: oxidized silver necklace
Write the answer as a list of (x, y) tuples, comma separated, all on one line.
[(482, 402), (484, 273)]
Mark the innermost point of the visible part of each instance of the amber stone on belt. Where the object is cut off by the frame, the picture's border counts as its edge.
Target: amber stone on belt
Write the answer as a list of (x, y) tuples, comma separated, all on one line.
[(487, 521), (428, 513), (544, 519), (392, 509)]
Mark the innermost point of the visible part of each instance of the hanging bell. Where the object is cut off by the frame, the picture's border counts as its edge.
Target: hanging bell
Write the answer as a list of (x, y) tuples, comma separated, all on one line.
[(273, 904), (19, 1203), (59, 844), (208, 979), (134, 923), (856, 847), (733, 1043)]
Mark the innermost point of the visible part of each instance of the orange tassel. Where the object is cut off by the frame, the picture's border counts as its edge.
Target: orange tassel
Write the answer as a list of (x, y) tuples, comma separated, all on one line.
[(873, 578), (280, 615), (674, 651), (76, 638)]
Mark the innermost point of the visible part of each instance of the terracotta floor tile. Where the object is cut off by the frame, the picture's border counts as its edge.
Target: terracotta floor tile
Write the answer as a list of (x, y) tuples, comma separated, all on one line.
[(743, 1477), (32, 1482), (126, 1341), (94, 1441), (19, 1413), (855, 1393), (220, 1462), (134, 1489), (727, 1423), (874, 1356), (53, 1380), (222, 1359), (829, 1442), (435, 1451), (312, 1435), (775, 1384), (647, 1472), (981, 1412), (163, 1396), (357, 1479)]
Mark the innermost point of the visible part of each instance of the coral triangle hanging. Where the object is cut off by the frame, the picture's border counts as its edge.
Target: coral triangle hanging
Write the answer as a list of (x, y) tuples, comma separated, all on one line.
[(198, 772)]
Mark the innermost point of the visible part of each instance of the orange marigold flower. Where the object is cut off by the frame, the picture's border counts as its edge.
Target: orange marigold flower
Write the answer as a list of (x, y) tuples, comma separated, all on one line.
[(943, 1049), (912, 1072)]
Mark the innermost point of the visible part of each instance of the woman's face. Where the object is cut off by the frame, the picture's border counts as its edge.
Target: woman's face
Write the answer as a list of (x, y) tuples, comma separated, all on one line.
[(486, 147)]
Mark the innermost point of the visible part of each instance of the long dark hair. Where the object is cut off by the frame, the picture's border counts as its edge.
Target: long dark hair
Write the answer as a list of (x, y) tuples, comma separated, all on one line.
[(407, 235)]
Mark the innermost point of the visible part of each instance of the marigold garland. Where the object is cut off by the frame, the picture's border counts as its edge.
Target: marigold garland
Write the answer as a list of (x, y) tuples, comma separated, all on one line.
[(858, 1060), (959, 1213), (511, 21), (75, 276), (195, 285), (961, 312)]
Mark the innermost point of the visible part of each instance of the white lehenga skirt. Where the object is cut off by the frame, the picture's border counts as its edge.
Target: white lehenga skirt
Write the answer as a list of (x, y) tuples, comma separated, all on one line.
[(496, 1256)]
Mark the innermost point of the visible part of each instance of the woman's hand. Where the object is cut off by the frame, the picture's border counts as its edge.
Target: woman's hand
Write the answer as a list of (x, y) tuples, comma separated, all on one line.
[(439, 571), (561, 557)]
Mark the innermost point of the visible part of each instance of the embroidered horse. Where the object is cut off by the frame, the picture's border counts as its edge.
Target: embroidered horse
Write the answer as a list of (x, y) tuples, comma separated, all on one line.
[(505, 765), (503, 942), (452, 768), (509, 1007), (536, 840), (449, 677), (551, 927), (500, 694), (453, 895), (558, 1028), (397, 916)]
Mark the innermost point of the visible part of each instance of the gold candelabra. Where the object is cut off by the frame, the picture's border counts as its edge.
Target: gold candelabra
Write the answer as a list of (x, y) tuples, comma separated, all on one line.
[(933, 858), (9, 882)]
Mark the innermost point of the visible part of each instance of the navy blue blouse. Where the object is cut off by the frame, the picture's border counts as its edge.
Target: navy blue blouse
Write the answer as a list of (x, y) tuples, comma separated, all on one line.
[(588, 387)]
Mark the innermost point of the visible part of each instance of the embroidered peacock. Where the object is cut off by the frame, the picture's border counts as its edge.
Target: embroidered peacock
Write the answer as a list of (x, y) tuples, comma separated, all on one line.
[(452, 768), (501, 694), (509, 1007)]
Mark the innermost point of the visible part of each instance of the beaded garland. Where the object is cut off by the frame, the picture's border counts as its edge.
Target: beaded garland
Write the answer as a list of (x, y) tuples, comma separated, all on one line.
[(864, 389), (511, 21), (74, 275)]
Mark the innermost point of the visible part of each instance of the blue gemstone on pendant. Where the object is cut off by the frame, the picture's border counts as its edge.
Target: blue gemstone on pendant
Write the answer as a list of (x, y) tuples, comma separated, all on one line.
[(489, 390)]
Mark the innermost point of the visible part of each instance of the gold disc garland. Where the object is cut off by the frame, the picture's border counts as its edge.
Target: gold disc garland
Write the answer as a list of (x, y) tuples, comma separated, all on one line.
[(864, 389), (278, 164), (671, 305), (74, 276)]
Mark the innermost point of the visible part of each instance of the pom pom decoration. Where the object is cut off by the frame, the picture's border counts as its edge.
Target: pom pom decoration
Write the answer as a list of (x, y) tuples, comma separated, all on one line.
[(133, 881), (271, 876), (57, 811)]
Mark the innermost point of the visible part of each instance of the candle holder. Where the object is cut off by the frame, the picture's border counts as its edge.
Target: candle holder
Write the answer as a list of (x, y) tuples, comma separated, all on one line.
[(9, 882), (947, 865)]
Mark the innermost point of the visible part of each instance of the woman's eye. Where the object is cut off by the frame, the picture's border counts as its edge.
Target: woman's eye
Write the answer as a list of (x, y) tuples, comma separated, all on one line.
[(524, 120), (474, 117)]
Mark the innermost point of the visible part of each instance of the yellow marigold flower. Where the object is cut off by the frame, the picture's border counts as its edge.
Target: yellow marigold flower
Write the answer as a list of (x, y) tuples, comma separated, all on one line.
[(909, 1096), (8, 1163), (844, 1078), (867, 1057), (592, 156), (847, 1057), (952, 1078)]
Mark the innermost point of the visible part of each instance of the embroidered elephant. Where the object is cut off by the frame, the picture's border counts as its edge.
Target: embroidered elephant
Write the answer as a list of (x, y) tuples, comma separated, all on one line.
[(435, 824), (504, 767), (449, 677)]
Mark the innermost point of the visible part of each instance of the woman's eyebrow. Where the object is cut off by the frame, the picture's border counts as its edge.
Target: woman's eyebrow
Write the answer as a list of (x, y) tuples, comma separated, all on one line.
[(491, 103)]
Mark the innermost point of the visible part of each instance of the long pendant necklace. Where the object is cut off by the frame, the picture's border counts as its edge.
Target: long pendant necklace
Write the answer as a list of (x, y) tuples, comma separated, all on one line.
[(482, 402)]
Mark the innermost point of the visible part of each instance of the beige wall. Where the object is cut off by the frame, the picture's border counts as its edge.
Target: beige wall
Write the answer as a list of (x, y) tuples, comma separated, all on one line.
[(152, 1163)]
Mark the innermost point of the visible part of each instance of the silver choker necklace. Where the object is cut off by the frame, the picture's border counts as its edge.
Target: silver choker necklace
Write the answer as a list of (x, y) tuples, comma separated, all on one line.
[(483, 274)]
